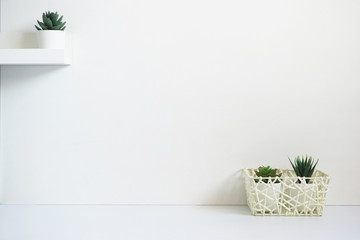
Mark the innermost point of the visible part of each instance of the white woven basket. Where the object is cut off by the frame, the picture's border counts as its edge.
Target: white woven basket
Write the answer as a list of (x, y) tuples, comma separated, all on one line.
[(290, 196)]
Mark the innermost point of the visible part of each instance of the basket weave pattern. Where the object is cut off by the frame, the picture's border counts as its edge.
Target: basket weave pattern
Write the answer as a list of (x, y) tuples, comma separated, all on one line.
[(287, 195)]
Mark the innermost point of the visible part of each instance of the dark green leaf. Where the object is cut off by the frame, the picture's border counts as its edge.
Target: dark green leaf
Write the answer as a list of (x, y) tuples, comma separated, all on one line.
[(59, 21), (42, 25)]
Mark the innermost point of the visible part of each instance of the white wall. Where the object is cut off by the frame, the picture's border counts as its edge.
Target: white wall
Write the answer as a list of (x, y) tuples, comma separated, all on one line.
[(167, 100)]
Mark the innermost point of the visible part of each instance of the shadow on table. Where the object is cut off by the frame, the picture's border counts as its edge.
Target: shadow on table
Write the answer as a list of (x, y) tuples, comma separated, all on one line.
[(231, 209), (231, 193)]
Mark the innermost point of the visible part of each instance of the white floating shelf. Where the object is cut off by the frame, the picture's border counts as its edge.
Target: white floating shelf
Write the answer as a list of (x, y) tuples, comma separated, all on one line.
[(21, 49)]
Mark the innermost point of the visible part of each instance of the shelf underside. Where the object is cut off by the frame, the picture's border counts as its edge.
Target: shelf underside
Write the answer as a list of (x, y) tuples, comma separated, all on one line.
[(34, 57)]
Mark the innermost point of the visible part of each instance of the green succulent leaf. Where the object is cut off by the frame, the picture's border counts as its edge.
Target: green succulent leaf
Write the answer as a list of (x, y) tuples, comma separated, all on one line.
[(267, 172), (48, 22), (53, 18), (304, 166), (59, 21), (42, 25), (56, 27), (62, 24), (51, 21)]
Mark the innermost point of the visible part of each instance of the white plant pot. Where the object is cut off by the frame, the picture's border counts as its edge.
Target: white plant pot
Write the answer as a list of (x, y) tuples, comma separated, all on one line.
[(303, 197), (51, 39), (269, 195)]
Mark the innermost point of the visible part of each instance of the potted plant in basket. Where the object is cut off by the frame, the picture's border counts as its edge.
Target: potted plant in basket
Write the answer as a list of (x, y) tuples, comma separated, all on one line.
[(51, 31), (303, 197), (269, 187)]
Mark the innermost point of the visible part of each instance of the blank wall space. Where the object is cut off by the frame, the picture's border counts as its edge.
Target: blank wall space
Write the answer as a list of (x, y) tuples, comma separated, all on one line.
[(166, 101)]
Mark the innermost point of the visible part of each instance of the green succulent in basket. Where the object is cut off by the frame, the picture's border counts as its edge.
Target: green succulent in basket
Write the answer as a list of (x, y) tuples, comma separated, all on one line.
[(267, 172), (51, 21), (304, 166)]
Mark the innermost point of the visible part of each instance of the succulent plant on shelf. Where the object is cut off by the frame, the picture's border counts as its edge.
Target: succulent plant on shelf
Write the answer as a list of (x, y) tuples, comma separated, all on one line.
[(51, 21), (304, 167), (267, 172)]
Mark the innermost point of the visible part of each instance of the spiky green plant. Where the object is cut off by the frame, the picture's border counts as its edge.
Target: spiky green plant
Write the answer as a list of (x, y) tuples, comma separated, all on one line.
[(51, 21), (304, 166), (267, 172)]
